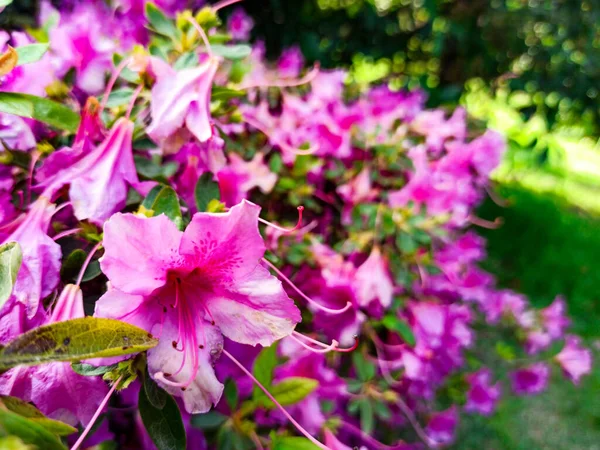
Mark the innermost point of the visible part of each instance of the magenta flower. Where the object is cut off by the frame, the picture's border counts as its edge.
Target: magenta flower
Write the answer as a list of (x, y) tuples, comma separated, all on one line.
[(39, 272), (98, 179), (575, 360), (530, 380), (441, 427), (290, 62), (239, 25), (482, 395), (239, 177), (190, 288), (181, 103), (554, 318), (373, 281)]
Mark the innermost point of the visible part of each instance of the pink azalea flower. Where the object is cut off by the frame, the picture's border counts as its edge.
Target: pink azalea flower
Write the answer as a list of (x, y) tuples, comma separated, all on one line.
[(530, 380), (482, 395), (181, 103), (373, 281), (190, 288), (239, 25), (290, 62), (441, 428), (99, 178), (239, 177), (40, 268), (575, 360), (554, 318), (334, 444), (56, 389)]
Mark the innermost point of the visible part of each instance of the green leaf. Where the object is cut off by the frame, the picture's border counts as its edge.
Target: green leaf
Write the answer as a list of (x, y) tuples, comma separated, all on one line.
[(164, 426), (186, 61), (231, 394), (289, 391), (149, 200), (161, 23), (74, 340), (367, 419), (92, 271), (10, 263), (72, 264), (364, 369), (89, 370), (166, 202), (4, 3), (29, 411), (264, 364), (393, 323), (209, 421), (206, 190), (119, 97), (406, 243), (293, 443), (156, 395), (233, 52), (28, 431), (31, 53), (42, 109), (224, 93), (13, 442)]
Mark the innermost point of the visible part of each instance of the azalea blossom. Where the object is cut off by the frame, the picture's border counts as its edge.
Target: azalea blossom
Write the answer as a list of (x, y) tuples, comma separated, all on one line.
[(189, 289), (575, 360)]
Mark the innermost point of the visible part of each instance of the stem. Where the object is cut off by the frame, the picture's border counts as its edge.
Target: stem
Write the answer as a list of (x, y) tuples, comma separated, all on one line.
[(285, 83), (133, 99), (223, 4), (202, 35), (66, 233), (96, 414), (429, 443), (87, 262), (111, 83), (270, 397), (285, 230), (497, 223), (303, 295)]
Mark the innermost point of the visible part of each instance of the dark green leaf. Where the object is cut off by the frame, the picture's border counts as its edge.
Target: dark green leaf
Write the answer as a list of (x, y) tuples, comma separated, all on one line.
[(209, 421), (394, 323), (119, 97), (206, 190), (288, 392), (92, 271), (29, 411), (406, 243), (91, 371), (74, 340), (367, 419), (264, 364), (364, 369), (224, 93), (42, 109), (72, 264), (233, 52), (166, 202), (31, 53), (156, 395), (10, 263), (161, 23), (231, 394), (28, 431), (164, 426), (149, 200)]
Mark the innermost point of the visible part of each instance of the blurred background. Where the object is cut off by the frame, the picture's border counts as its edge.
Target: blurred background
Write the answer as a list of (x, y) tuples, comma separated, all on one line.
[(530, 69)]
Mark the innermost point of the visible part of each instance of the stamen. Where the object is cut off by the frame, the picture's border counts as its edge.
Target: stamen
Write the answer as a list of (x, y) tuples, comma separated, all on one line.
[(497, 223), (202, 35), (87, 262), (286, 230), (334, 346), (61, 207), (281, 408), (111, 83), (133, 99), (495, 197), (286, 147), (303, 295), (96, 414), (224, 3), (66, 233), (311, 75)]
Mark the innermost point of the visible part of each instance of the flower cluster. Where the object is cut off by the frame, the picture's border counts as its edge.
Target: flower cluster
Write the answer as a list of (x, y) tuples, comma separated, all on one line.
[(131, 180)]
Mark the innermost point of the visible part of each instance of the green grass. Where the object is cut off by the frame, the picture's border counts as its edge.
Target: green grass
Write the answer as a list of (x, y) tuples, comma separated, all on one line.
[(545, 248)]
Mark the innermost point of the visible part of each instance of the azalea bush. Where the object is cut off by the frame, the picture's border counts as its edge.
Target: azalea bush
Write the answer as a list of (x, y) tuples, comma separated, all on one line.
[(202, 249)]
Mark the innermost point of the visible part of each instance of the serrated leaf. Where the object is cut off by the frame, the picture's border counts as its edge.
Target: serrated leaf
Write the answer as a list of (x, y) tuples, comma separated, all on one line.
[(161, 23), (264, 364), (288, 392), (28, 431), (233, 52), (293, 443), (8, 60), (394, 323), (38, 108), (209, 421), (10, 263), (156, 395), (29, 411), (166, 202), (74, 340), (31, 53), (164, 426), (89, 370), (206, 190)]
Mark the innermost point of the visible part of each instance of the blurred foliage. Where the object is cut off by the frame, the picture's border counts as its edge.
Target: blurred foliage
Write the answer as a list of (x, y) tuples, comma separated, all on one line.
[(550, 47)]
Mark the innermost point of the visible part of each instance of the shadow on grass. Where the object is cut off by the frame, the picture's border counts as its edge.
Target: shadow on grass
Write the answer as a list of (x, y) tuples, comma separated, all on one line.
[(545, 248)]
